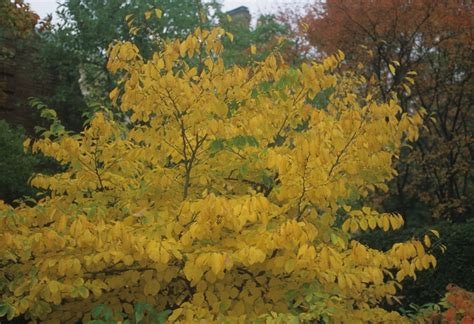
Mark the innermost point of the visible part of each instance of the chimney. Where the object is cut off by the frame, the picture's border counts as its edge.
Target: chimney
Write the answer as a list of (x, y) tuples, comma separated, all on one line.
[(240, 15)]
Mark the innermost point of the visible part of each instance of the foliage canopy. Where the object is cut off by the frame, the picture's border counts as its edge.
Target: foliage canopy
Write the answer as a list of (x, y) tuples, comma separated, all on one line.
[(229, 193), (20, 165)]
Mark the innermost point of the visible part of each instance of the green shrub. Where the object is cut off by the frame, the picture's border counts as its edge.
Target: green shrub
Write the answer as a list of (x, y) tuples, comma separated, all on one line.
[(16, 166)]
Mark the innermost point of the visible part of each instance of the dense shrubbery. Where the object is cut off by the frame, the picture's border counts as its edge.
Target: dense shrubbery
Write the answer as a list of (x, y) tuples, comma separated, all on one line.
[(16, 165)]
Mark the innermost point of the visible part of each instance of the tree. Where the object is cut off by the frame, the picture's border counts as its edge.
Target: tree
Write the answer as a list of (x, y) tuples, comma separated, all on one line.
[(16, 165), (231, 193), (270, 34), (82, 19), (17, 23), (60, 66), (395, 40), (17, 20)]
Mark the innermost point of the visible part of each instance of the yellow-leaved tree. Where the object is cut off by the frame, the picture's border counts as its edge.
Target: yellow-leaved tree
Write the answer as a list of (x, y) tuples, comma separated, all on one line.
[(224, 194)]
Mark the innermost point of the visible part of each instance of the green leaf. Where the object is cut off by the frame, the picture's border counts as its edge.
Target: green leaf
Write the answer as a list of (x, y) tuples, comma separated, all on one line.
[(216, 146), (48, 113), (84, 292), (238, 141), (241, 141), (233, 106), (254, 94), (252, 141), (267, 181), (97, 310), (162, 316), (244, 169), (321, 100), (139, 311), (4, 309), (266, 86), (10, 313), (108, 314), (75, 292), (291, 294)]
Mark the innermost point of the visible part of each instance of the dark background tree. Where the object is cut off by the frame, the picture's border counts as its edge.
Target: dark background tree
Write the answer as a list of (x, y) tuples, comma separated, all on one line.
[(16, 166), (89, 26)]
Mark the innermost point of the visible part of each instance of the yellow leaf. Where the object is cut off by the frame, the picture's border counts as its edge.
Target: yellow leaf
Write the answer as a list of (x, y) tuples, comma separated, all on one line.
[(346, 225), (182, 49), (372, 222), (61, 225), (198, 298), (53, 286), (253, 49), (400, 276), (425, 260), (354, 226), (174, 316), (407, 89), (341, 281), (391, 68), (26, 144), (84, 292), (158, 13), (152, 288), (363, 224), (290, 265), (114, 94), (427, 241), (385, 223), (216, 262), (435, 232), (411, 80), (255, 256), (128, 260), (394, 222)]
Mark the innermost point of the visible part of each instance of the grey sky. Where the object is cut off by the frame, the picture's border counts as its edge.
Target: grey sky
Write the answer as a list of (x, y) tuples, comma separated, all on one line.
[(256, 7)]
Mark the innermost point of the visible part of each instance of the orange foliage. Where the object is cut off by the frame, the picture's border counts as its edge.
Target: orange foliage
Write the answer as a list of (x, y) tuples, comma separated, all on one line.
[(339, 24), (459, 304)]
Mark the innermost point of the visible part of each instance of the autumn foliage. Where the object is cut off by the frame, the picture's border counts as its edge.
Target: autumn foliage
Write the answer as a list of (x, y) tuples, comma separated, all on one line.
[(457, 307), (421, 50), (215, 193), (460, 305), (17, 20)]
